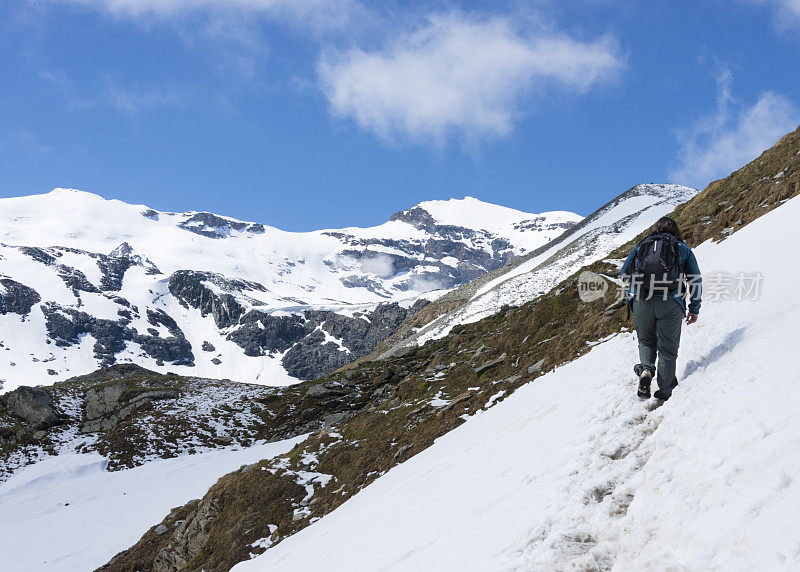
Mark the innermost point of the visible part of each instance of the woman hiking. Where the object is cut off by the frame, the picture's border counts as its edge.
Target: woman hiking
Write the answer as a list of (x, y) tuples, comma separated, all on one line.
[(662, 272)]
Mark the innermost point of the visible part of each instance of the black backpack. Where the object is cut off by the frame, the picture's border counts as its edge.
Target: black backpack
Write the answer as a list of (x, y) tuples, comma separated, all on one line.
[(657, 263)]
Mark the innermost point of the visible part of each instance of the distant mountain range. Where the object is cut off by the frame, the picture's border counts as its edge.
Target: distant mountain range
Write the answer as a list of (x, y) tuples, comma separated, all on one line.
[(88, 282)]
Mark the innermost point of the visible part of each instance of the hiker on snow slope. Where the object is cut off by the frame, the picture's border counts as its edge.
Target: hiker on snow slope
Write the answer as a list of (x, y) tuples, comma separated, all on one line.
[(663, 272)]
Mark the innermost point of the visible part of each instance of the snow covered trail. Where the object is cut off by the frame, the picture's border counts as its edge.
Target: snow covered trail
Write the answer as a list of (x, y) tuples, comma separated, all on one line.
[(574, 472), (68, 513)]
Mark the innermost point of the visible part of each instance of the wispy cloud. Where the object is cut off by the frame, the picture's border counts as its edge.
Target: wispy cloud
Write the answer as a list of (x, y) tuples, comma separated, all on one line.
[(786, 12), (377, 263), (130, 100), (316, 13), (231, 33), (460, 75), (732, 135), (23, 139)]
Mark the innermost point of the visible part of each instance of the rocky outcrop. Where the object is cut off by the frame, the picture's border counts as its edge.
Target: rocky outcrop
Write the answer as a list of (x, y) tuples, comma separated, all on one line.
[(490, 364), (33, 405), (417, 217), (17, 298), (542, 223), (304, 337), (315, 356), (106, 406), (190, 288), (125, 250), (75, 279), (188, 538), (65, 326), (113, 269), (38, 254), (370, 284), (214, 226), (112, 266), (135, 415), (259, 333), (72, 277), (160, 317)]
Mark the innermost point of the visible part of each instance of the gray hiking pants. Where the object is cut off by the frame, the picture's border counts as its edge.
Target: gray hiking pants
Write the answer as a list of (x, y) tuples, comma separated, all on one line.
[(658, 329)]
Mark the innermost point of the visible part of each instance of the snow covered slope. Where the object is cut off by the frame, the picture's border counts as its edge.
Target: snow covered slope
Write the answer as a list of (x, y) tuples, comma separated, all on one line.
[(86, 282), (574, 472), (69, 513), (535, 273)]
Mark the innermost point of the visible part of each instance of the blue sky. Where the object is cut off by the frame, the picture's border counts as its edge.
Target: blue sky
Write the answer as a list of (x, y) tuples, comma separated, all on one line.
[(307, 114)]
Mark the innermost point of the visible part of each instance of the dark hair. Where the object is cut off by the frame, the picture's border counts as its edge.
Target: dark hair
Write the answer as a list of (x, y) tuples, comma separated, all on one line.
[(666, 224)]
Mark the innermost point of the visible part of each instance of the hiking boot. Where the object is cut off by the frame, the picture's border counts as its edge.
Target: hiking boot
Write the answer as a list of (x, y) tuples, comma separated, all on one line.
[(663, 394), (644, 384)]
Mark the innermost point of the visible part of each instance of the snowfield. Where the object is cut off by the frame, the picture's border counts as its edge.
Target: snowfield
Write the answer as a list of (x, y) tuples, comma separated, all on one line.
[(573, 472), (54, 243), (69, 513)]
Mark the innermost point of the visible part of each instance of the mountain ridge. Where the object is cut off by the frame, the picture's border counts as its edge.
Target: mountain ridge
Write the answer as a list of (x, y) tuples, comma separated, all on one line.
[(204, 294)]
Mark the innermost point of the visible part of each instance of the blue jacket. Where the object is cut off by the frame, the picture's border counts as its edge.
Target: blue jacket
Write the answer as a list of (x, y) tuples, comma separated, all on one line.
[(690, 269)]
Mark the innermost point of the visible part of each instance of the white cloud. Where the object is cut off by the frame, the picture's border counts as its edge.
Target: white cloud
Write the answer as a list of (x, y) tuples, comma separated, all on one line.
[(377, 263), (318, 13), (732, 135), (459, 75)]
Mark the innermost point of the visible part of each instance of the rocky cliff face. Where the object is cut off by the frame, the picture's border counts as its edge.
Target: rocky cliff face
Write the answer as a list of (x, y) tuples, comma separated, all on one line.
[(311, 343), (202, 294)]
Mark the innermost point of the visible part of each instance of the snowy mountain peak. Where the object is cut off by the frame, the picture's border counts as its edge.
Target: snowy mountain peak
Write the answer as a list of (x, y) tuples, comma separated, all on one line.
[(122, 250), (471, 212), (66, 192)]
